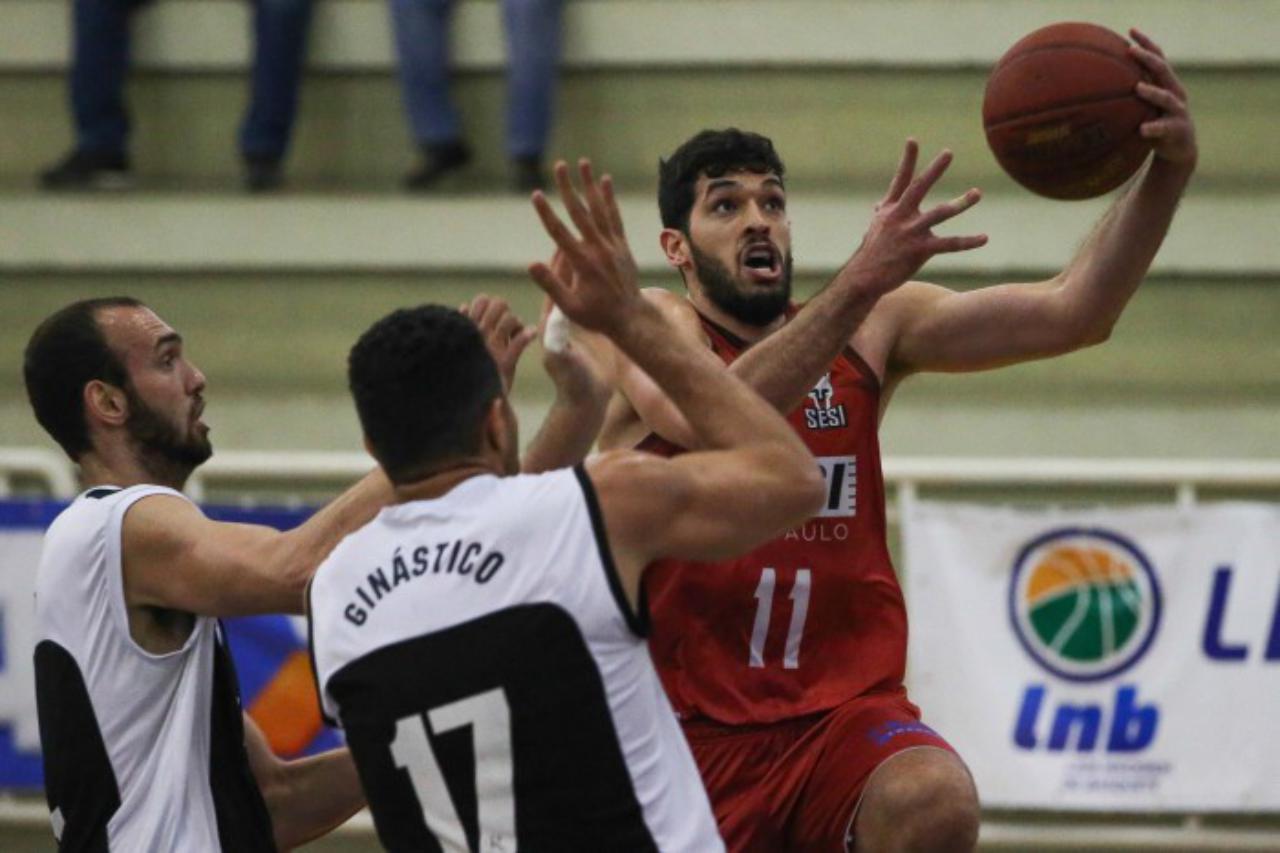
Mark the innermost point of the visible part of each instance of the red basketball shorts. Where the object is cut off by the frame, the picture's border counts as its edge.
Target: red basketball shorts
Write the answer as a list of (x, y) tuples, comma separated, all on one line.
[(794, 785)]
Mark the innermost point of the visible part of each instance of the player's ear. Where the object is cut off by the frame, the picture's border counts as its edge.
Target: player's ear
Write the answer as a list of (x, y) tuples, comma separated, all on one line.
[(105, 403), (495, 427), (675, 245)]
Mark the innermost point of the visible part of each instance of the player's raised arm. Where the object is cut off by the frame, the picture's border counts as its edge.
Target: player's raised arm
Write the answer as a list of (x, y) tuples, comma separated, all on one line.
[(756, 478), (571, 424), (898, 242), (783, 367), (176, 558), (938, 329)]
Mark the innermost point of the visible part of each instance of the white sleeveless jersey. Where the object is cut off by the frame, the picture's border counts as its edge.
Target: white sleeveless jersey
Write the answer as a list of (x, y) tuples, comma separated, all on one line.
[(494, 682), (142, 751)]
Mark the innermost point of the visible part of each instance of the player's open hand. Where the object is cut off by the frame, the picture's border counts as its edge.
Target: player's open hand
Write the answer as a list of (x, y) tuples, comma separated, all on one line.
[(597, 286), (900, 238), (505, 335), (1172, 134)]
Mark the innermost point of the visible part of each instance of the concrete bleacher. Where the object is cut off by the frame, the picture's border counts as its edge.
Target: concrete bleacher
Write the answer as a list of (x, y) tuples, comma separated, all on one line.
[(841, 82), (269, 291), (351, 35)]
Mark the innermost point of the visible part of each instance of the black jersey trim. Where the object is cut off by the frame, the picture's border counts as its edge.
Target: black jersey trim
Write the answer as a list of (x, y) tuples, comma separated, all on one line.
[(638, 622), (871, 379), (659, 446), (79, 778), (587, 799), (240, 812), (311, 655), (732, 339), (99, 494)]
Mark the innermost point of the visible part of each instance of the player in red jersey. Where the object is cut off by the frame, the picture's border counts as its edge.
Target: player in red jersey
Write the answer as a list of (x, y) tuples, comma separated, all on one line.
[(787, 665)]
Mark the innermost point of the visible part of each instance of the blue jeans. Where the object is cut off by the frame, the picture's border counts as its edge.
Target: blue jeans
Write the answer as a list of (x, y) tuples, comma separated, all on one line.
[(100, 61), (421, 29)]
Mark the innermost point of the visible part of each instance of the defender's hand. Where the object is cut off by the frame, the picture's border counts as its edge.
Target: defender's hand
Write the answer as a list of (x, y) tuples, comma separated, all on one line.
[(900, 238), (575, 369), (602, 289), (1172, 135), (504, 334)]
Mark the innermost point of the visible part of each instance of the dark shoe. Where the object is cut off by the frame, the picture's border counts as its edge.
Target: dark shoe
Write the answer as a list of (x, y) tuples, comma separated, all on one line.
[(526, 175), (88, 170), (437, 161), (262, 174)]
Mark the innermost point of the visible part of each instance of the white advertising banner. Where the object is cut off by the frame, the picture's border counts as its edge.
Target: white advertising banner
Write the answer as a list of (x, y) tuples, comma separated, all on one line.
[(19, 556), (1118, 659)]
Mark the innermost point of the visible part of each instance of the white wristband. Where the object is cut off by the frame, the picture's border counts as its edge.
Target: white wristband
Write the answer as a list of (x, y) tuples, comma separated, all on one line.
[(555, 337)]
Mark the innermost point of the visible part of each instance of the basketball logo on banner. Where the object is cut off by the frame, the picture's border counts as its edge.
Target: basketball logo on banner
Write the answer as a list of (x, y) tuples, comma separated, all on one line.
[(1084, 603)]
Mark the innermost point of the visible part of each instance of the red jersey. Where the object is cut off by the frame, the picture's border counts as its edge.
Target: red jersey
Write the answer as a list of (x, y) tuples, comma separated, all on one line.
[(804, 622)]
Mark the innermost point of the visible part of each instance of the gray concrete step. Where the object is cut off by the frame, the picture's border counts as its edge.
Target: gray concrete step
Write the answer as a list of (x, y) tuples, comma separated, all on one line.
[(835, 128), (1213, 234), (1181, 342), (837, 84)]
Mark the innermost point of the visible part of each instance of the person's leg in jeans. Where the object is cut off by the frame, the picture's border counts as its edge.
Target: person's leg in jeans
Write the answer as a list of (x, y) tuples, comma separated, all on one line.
[(280, 40), (533, 54), (421, 30), (99, 64)]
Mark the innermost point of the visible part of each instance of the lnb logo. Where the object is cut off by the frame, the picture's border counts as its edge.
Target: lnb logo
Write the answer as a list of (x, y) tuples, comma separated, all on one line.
[(1085, 605)]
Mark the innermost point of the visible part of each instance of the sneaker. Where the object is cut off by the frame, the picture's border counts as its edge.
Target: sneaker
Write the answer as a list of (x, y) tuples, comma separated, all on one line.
[(437, 161), (88, 170), (526, 175), (262, 174)]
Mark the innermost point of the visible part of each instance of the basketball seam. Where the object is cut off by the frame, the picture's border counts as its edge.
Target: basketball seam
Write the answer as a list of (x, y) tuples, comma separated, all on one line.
[(1083, 103), (1005, 63), (1126, 61)]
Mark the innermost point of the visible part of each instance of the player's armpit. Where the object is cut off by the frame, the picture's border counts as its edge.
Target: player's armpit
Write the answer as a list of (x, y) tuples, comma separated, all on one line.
[(938, 329), (700, 506), (174, 557)]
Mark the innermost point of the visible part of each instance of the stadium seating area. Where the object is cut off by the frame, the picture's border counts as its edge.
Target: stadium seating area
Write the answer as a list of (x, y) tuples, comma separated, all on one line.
[(270, 291)]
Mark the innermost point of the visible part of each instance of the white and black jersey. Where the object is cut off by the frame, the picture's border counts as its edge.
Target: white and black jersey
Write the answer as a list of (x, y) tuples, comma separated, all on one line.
[(494, 682), (142, 751)]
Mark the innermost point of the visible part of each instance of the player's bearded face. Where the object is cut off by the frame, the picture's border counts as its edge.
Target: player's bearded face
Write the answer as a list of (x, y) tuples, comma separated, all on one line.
[(183, 445), (743, 300)]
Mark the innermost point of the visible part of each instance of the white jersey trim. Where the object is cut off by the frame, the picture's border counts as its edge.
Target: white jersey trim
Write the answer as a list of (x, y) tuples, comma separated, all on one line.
[(115, 573)]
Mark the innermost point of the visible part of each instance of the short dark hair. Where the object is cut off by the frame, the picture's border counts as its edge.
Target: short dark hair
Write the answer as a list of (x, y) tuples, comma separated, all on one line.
[(713, 153), (66, 352), (422, 380)]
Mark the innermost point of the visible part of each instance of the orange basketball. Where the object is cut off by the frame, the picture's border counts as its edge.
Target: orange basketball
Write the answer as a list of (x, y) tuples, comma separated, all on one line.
[(1061, 114)]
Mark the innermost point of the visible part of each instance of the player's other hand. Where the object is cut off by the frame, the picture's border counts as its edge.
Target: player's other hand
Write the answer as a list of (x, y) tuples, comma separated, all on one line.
[(1172, 134), (505, 335), (574, 366), (900, 238), (597, 286)]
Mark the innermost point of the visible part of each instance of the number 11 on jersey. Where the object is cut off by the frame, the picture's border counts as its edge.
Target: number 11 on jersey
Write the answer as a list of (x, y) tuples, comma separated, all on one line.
[(764, 612)]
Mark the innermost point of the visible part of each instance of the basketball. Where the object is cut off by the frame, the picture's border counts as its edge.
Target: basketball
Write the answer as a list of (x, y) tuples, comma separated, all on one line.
[(1061, 114)]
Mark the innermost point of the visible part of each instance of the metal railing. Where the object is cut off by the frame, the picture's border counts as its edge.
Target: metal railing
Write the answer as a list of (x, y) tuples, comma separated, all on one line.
[(304, 470)]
